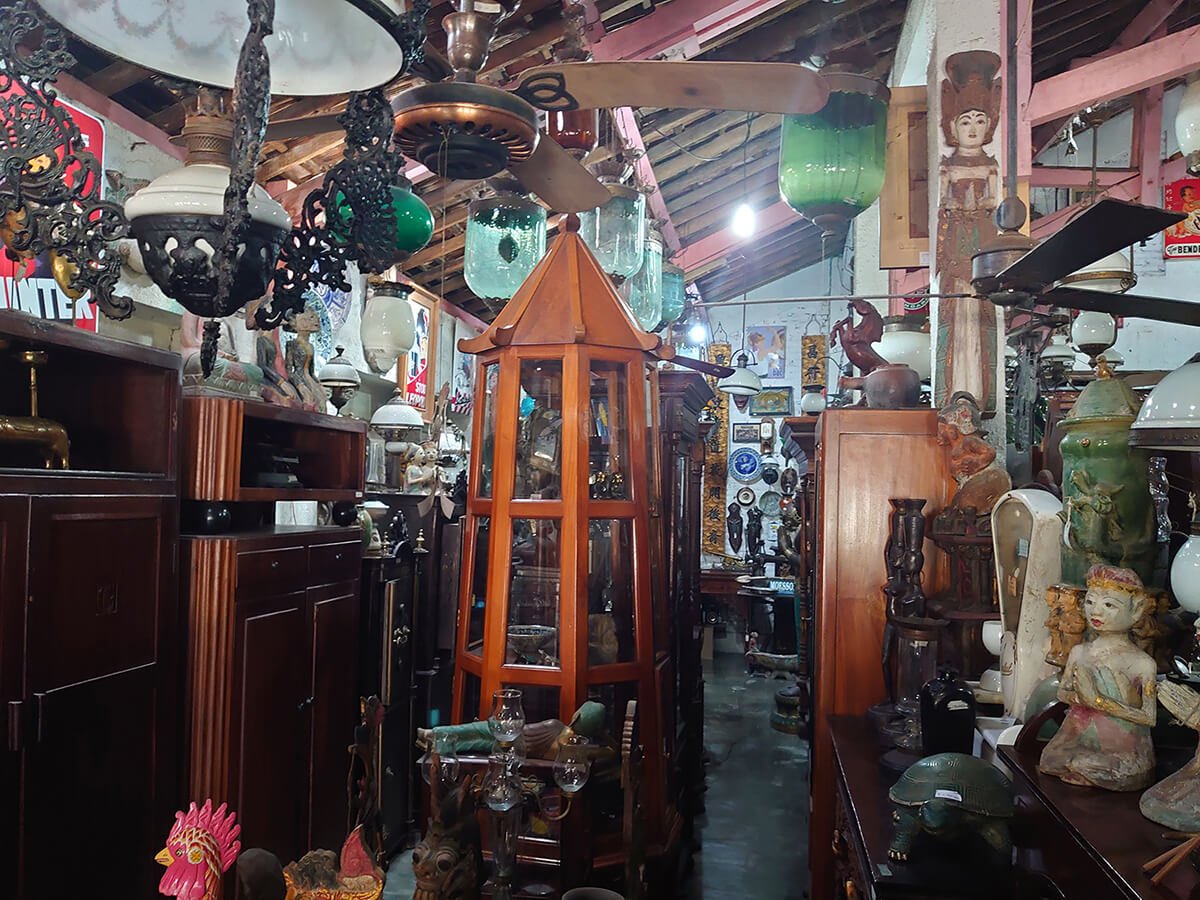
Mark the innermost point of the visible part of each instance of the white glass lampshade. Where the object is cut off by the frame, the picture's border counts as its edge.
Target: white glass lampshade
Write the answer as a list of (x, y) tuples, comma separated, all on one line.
[(1010, 355), (1058, 351), (1170, 417), (338, 372), (1185, 574), (388, 328), (318, 46), (198, 189), (905, 341), (1111, 275), (1094, 332), (743, 382), (1187, 125), (397, 419), (812, 401)]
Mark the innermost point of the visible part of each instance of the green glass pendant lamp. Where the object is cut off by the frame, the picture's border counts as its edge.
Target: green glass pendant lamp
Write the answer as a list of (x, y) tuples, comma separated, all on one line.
[(831, 162), (644, 291), (414, 221), (506, 238), (674, 293)]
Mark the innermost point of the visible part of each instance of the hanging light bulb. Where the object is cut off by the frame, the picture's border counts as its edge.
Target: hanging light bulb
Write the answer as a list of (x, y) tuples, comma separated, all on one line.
[(744, 221)]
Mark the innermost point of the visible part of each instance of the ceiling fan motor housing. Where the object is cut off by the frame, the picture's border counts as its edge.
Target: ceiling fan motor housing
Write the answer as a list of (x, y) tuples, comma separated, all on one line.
[(996, 255), (461, 130)]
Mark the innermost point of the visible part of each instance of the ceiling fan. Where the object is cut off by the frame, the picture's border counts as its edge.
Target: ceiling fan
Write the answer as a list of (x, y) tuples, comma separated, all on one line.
[(464, 130)]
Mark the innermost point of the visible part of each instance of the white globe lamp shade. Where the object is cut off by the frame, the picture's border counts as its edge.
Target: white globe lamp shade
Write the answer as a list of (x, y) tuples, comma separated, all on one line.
[(812, 401), (1185, 574), (318, 47), (1111, 275), (198, 189), (388, 328), (906, 342), (1170, 416), (1094, 332), (1187, 125)]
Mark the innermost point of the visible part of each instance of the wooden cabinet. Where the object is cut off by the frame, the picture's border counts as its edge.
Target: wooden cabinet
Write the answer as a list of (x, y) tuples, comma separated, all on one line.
[(90, 677), (864, 457), (683, 395), (272, 693)]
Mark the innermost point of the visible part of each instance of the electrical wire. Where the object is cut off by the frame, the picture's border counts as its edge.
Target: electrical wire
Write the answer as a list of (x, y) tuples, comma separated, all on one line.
[(697, 156)]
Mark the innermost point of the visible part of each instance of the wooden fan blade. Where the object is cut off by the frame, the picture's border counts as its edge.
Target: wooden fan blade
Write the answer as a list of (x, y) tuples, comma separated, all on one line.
[(702, 366), (1182, 312), (288, 129), (1104, 228), (752, 87), (557, 177)]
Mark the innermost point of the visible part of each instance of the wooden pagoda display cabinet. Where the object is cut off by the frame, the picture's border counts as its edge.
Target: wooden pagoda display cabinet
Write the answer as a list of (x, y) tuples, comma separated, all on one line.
[(563, 545)]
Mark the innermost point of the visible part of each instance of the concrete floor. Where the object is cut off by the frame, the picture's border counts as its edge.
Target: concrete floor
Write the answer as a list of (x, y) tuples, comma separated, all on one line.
[(754, 832)]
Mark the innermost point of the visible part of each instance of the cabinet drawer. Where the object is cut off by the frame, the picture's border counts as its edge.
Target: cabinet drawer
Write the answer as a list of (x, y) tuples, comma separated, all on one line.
[(328, 563), (276, 567)]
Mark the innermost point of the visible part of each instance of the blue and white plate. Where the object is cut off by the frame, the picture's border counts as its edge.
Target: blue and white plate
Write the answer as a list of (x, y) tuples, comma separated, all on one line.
[(745, 465)]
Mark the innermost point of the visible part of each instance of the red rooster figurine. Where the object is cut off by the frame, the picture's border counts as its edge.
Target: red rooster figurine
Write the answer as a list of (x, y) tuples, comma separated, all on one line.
[(202, 846)]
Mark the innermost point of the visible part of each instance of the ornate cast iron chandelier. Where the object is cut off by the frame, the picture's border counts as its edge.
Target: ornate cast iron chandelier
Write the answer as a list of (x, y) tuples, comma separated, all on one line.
[(49, 184)]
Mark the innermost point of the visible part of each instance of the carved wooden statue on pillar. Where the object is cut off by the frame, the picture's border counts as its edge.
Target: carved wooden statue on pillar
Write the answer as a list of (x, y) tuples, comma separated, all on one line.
[(1110, 684), (968, 192)]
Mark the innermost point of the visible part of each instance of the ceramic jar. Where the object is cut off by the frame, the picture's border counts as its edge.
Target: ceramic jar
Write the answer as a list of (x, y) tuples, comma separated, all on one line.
[(1106, 493)]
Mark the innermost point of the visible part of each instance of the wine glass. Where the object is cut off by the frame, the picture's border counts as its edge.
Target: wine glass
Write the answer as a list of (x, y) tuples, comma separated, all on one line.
[(501, 787), (443, 749), (572, 765), (507, 721)]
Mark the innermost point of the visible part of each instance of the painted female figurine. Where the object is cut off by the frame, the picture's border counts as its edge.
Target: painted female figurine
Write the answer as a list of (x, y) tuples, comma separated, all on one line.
[(969, 192), (1109, 682)]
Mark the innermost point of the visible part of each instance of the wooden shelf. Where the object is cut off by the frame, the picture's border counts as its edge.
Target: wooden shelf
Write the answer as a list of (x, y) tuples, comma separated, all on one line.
[(268, 494), (217, 431)]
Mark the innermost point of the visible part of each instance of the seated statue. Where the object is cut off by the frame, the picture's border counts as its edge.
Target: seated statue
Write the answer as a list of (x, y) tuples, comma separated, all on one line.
[(1109, 683), (229, 375)]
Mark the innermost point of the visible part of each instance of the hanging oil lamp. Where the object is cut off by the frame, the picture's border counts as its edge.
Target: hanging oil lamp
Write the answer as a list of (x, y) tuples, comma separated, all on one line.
[(178, 220), (744, 382), (616, 231), (414, 221), (387, 328), (506, 238), (831, 162), (644, 291), (674, 293)]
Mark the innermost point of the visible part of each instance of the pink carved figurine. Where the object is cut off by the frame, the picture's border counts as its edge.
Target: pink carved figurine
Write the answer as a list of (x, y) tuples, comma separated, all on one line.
[(202, 846), (1109, 683)]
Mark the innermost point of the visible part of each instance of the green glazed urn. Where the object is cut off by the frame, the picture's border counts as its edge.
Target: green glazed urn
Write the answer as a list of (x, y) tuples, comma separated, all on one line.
[(1106, 493)]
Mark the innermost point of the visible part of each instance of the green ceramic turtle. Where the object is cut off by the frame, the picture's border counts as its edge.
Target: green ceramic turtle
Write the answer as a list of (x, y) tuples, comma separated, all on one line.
[(948, 794)]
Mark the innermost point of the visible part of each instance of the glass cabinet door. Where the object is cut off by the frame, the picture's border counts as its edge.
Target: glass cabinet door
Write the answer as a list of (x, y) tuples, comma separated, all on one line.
[(608, 431), (533, 588), (538, 473), (610, 592)]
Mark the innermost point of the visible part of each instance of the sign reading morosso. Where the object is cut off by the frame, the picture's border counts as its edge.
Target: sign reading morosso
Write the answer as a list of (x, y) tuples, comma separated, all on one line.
[(28, 284)]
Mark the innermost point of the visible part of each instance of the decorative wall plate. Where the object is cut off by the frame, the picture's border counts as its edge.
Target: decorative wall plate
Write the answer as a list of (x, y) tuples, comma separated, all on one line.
[(745, 465), (745, 496), (769, 504)]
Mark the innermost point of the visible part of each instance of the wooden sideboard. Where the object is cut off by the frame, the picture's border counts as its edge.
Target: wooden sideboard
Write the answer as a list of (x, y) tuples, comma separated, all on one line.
[(864, 457), (90, 674), (272, 680)]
